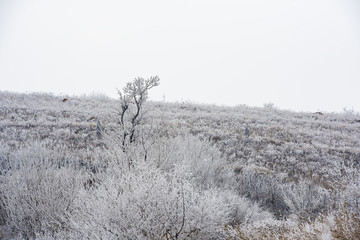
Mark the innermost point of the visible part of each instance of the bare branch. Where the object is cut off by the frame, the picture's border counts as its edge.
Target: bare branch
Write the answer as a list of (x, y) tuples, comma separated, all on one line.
[(183, 208)]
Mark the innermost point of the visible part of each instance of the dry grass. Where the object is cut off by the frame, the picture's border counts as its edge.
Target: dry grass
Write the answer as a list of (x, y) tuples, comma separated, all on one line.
[(282, 231), (343, 224), (346, 226)]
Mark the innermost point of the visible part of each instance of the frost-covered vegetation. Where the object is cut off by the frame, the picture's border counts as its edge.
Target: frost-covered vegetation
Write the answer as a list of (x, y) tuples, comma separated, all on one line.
[(196, 172)]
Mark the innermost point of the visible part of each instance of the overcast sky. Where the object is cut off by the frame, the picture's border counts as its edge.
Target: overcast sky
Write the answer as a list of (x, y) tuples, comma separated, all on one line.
[(300, 55)]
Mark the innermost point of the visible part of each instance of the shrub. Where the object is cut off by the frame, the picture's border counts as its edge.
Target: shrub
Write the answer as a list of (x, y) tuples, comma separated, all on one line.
[(202, 159), (148, 203), (261, 188), (38, 194), (305, 199)]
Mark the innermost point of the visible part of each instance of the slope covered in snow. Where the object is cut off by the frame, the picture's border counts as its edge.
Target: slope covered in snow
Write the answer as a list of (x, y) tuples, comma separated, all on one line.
[(197, 171)]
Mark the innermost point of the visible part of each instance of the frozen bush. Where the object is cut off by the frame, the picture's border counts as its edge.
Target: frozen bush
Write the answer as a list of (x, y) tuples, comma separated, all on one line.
[(243, 211), (146, 203), (202, 159), (350, 196), (305, 199), (39, 199), (261, 188), (38, 194)]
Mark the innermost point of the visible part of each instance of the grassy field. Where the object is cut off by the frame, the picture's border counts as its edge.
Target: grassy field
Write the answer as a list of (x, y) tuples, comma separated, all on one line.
[(193, 172)]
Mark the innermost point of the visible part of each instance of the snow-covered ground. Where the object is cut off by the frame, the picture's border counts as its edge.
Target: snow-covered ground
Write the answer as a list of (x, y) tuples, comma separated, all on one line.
[(197, 171)]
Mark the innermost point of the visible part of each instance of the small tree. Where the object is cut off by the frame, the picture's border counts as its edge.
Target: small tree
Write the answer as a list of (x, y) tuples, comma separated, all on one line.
[(132, 98)]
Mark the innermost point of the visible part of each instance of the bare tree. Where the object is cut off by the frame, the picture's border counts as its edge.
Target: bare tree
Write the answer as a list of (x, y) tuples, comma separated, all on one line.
[(132, 98)]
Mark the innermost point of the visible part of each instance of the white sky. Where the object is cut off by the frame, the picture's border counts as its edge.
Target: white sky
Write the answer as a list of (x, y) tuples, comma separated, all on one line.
[(299, 55)]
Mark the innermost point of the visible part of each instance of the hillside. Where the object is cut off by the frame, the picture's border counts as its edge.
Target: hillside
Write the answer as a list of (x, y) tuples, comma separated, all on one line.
[(197, 171)]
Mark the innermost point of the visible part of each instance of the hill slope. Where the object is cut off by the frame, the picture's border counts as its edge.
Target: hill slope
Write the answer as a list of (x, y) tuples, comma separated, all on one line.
[(198, 171)]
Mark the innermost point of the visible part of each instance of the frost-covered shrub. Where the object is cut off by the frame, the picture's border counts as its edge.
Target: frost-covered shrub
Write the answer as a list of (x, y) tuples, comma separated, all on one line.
[(243, 211), (349, 197), (37, 191), (147, 203), (201, 158), (305, 199), (4, 158), (262, 188), (39, 198)]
